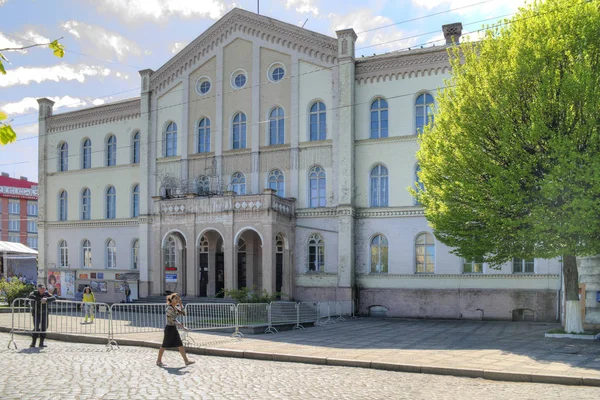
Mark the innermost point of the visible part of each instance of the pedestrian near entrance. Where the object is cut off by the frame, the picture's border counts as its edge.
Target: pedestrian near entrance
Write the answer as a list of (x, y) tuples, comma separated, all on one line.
[(88, 302), (127, 294), (39, 311), (171, 338)]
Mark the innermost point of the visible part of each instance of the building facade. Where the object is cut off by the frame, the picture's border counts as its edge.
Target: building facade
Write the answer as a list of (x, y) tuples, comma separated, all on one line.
[(18, 210), (267, 156)]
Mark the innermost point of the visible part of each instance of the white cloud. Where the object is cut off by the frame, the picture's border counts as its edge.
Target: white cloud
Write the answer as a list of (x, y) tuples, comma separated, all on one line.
[(20, 40), (303, 6), (158, 10), (56, 73), (2, 2), (486, 8), (105, 43), (176, 47), (147, 52), (382, 40), (30, 104)]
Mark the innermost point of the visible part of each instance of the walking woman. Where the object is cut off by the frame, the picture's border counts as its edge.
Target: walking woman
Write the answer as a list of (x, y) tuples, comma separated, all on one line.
[(172, 338), (88, 301)]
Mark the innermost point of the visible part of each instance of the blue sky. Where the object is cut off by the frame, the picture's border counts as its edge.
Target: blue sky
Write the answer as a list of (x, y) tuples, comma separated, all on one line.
[(109, 41)]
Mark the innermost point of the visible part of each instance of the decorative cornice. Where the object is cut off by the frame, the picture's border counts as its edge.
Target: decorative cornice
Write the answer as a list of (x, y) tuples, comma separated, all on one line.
[(234, 152), (316, 213), (104, 168), (170, 159), (400, 65), (300, 40), (316, 143), (406, 138), (104, 114), (105, 223), (459, 276), (277, 147), (390, 212)]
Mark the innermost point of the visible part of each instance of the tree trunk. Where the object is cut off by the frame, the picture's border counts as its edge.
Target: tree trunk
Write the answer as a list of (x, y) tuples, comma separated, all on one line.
[(573, 318)]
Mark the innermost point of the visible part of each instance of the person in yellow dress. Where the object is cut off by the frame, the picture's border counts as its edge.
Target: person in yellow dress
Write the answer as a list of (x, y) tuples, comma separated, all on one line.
[(88, 301)]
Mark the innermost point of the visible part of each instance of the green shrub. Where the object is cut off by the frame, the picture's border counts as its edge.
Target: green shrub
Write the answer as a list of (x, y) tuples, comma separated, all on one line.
[(245, 295), (14, 290)]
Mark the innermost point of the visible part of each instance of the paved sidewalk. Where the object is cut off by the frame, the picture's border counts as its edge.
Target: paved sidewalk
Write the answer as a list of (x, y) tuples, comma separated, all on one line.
[(513, 351)]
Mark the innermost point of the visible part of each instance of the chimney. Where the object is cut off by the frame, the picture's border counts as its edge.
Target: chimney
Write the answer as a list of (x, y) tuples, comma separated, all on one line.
[(452, 32), (23, 178), (6, 174)]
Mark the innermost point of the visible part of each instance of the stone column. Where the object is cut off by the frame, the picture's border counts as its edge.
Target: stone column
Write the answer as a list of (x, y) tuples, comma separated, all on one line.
[(219, 128), (268, 258), (345, 160), (295, 114), (184, 130), (45, 111), (212, 268), (256, 118), (146, 201)]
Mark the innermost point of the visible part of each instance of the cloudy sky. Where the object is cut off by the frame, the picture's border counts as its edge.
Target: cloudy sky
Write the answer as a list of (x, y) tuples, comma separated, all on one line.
[(109, 41)]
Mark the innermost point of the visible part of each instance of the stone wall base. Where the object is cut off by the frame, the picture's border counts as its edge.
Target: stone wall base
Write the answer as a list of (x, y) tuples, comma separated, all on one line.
[(304, 293), (484, 304)]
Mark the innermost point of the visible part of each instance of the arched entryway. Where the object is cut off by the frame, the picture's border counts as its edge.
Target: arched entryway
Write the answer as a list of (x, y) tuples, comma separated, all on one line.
[(174, 248), (279, 263), (211, 264), (249, 257)]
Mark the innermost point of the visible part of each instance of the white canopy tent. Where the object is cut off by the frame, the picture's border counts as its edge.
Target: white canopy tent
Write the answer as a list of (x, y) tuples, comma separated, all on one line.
[(18, 259)]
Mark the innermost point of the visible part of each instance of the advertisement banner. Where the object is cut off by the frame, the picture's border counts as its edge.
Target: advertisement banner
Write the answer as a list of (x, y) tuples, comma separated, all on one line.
[(54, 283), (98, 286), (171, 278), (68, 284)]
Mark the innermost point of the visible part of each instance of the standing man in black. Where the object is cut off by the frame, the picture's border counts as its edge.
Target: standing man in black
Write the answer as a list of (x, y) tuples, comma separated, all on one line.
[(39, 311)]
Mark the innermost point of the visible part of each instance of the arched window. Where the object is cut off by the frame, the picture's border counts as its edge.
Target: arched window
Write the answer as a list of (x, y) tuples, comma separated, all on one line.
[(86, 204), (203, 136), (276, 182), (279, 243), (63, 254), (379, 254), (170, 254), (239, 131), (318, 121), (316, 253), (238, 183), (379, 186), (418, 183), (423, 111), (276, 126), (111, 151), (86, 254), (63, 205), (111, 254), (317, 187), (171, 140), (111, 203), (379, 119), (135, 254), (203, 185), (135, 148), (203, 246), (86, 154), (63, 159), (135, 201), (425, 253)]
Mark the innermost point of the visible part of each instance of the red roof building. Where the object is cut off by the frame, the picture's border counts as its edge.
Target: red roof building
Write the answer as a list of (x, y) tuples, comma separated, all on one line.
[(18, 210)]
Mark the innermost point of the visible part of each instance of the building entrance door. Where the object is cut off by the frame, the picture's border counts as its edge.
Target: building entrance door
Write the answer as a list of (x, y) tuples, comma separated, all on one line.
[(220, 274), (203, 275)]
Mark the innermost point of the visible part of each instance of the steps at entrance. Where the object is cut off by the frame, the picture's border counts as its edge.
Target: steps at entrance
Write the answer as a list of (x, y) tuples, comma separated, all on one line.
[(185, 300)]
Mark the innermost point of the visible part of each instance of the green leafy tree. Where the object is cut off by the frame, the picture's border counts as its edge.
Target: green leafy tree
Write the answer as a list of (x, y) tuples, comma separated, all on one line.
[(512, 167), (7, 134)]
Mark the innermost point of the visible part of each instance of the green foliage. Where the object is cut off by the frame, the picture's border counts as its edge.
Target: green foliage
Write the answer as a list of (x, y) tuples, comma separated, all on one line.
[(245, 295), (511, 167), (14, 290), (7, 134)]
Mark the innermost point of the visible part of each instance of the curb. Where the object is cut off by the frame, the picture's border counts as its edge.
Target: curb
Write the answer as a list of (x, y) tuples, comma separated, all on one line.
[(341, 362)]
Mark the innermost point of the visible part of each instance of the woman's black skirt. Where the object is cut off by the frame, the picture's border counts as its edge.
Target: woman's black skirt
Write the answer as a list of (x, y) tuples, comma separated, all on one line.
[(172, 338)]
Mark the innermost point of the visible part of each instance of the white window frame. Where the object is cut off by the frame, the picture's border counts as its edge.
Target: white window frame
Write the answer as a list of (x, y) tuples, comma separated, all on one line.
[(111, 203), (321, 121), (424, 246), (135, 148), (378, 194), (111, 254), (86, 254), (424, 106), (170, 140), (86, 204), (276, 126), (242, 127), (135, 255), (474, 266), (238, 183), (14, 224), (276, 181), (111, 150), (86, 154), (32, 208), (317, 174), (382, 246), (63, 254), (316, 265), (63, 206), (63, 157), (378, 132), (524, 262), (135, 201), (203, 130), (14, 206)]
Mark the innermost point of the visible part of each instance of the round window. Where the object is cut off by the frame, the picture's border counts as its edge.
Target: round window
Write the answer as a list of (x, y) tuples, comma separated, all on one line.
[(277, 74), (203, 85), (239, 80)]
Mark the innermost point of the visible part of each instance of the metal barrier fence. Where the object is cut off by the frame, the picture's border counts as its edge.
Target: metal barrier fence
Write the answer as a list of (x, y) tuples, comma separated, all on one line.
[(60, 316), (99, 319)]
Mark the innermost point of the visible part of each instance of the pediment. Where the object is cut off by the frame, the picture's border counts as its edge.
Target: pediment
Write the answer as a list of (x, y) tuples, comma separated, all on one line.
[(239, 23)]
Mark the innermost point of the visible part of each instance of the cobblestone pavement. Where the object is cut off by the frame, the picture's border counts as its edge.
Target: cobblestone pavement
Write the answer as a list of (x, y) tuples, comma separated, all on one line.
[(84, 371)]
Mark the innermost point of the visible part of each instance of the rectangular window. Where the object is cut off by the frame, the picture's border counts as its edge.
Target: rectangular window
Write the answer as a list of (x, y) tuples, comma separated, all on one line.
[(32, 208), (32, 241), (14, 238), (523, 266), (14, 224), (32, 226), (473, 266), (14, 206)]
